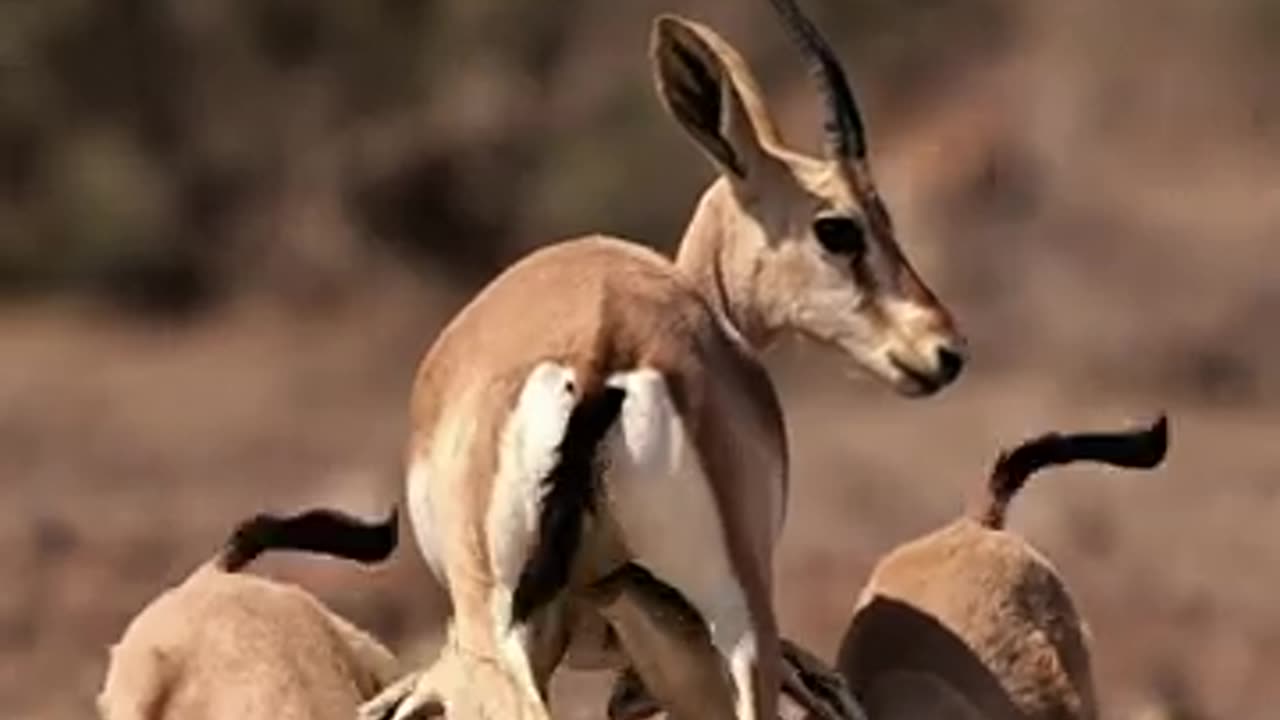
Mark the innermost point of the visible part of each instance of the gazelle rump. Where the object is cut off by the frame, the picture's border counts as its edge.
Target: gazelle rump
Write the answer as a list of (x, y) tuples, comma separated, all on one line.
[(598, 404), (971, 617), (228, 644)]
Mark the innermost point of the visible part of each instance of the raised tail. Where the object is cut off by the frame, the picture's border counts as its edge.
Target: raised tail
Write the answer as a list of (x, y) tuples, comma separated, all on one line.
[(323, 531), (1137, 448), (569, 496)]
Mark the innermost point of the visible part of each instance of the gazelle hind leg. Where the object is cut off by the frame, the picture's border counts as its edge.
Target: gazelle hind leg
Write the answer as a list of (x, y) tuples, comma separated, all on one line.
[(480, 553), (528, 454), (671, 525), (545, 485)]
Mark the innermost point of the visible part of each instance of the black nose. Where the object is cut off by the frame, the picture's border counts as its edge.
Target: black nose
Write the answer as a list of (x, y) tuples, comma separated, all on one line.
[(950, 363)]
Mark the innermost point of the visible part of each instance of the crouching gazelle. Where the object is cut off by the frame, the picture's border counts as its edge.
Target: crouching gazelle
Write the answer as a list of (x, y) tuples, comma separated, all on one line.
[(601, 350)]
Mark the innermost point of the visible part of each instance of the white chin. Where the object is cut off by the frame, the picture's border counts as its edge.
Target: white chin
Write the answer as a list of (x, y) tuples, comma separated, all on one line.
[(912, 384)]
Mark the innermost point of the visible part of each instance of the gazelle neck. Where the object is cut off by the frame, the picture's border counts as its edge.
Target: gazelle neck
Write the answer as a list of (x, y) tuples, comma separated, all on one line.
[(713, 255)]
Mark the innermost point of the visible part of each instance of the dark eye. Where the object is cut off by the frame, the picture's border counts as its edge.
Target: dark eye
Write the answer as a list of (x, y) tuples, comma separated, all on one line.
[(840, 236)]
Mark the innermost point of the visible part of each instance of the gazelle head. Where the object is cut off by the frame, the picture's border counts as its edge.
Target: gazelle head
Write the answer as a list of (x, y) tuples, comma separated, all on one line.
[(794, 242)]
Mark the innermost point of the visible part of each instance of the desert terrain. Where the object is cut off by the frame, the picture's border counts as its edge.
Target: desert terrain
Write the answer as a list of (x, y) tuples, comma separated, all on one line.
[(229, 321)]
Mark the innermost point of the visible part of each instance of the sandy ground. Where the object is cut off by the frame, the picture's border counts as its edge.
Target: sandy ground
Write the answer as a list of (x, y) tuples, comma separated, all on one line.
[(1100, 208), (127, 451)]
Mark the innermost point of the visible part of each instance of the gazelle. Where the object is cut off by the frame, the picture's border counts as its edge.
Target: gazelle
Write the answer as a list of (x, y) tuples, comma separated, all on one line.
[(600, 349), (225, 644), (972, 618), (678, 671)]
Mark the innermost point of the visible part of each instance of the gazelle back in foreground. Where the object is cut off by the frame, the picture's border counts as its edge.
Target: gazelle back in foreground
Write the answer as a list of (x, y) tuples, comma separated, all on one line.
[(229, 645), (599, 349), (971, 618)]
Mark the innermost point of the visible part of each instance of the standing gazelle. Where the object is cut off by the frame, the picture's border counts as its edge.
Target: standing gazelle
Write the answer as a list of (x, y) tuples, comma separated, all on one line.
[(598, 348)]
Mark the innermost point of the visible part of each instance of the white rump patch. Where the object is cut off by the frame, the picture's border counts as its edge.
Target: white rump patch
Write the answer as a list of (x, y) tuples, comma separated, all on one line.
[(658, 493), (527, 452), (670, 521)]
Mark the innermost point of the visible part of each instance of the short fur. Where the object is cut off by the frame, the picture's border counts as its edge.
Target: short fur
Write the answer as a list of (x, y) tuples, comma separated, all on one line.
[(750, 267), (226, 645), (976, 613), (569, 498), (673, 655)]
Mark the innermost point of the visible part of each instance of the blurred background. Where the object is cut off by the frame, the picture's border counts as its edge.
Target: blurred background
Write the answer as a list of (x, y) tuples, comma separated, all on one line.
[(229, 230)]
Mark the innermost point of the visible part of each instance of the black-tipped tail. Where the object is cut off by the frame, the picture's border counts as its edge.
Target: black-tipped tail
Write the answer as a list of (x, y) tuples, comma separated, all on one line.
[(323, 531), (1138, 448), (570, 495)]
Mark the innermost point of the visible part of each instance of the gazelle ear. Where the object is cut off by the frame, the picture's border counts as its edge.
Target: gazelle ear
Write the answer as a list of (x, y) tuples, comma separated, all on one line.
[(692, 70)]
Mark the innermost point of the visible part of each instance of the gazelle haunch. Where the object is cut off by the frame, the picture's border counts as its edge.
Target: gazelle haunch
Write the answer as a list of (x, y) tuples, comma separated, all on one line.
[(597, 349)]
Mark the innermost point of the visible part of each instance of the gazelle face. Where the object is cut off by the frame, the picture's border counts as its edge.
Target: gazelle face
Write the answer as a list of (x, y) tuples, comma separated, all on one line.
[(808, 238), (832, 269)]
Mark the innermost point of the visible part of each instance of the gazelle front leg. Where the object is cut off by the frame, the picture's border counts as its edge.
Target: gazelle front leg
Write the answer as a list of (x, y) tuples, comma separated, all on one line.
[(673, 524)]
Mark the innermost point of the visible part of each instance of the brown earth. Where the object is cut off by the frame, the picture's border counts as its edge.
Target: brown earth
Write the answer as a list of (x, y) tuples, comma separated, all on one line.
[(127, 451), (1094, 189)]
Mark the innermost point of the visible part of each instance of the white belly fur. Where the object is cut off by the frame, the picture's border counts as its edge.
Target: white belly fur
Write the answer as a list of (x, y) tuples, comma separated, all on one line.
[(527, 452)]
